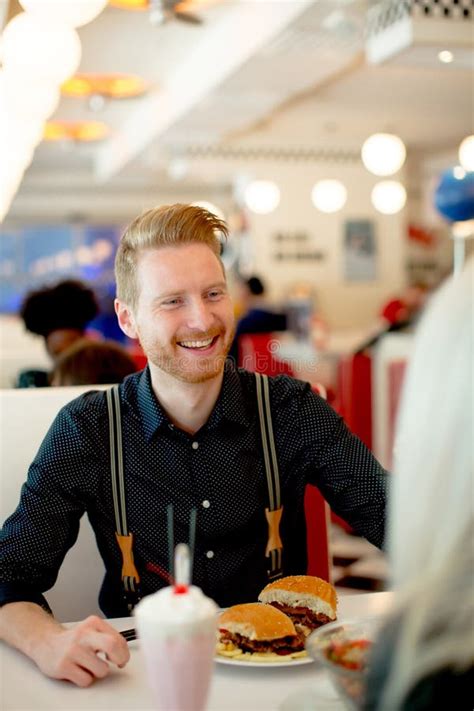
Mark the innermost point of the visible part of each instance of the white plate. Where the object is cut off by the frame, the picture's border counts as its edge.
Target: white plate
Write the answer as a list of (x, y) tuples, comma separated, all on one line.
[(235, 662)]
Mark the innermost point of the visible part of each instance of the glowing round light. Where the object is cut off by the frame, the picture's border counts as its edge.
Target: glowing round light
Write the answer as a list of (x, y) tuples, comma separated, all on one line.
[(262, 196), (383, 153), (210, 207), (459, 172), (39, 99), (39, 49), (445, 56), (178, 168), (73, 13), (388, 196), (329, 195), (466, 153), (463, 230)]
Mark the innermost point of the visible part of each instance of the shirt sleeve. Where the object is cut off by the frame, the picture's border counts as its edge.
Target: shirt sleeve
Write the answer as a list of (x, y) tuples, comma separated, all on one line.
[(37, 536), (346, 472)]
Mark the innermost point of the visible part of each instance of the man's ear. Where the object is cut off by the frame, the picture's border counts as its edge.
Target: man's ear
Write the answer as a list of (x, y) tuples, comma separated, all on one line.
[(125, 319)]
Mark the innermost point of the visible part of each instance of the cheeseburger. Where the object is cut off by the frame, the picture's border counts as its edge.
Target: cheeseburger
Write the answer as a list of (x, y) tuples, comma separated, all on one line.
[(256, 629), (309, 601)]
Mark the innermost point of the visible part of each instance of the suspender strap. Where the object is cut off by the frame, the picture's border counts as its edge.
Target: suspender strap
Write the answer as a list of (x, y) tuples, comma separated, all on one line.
[(274, 510), (130, 576)]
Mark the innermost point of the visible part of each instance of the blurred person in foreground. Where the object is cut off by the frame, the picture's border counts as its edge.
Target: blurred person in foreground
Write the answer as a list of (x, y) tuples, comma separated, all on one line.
[(257, 316), (425, 656), (89, 362), (191, 437), (60, 314)]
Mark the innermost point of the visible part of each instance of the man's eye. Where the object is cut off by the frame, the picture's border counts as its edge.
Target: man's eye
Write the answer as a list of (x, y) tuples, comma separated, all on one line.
[(215, 293), (171, 302)]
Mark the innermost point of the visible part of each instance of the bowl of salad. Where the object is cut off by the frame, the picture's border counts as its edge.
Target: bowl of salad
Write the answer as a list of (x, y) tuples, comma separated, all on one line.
[(343, 649)]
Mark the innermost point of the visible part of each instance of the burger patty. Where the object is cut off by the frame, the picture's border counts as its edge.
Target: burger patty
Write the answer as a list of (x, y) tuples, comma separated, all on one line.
[(283, 645), (303, 615)]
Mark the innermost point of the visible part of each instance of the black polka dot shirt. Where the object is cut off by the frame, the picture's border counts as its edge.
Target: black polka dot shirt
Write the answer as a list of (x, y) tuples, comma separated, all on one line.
[(219, 471)]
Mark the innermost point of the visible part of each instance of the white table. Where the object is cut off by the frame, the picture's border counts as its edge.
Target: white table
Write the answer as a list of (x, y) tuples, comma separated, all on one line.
[(24, 688)]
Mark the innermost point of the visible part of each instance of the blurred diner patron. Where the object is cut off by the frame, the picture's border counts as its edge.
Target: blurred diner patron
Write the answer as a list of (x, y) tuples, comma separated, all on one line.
[(398, 314), (60, 314), (89, 362), (191, 437), (425, 657), (403, 310), (258, 317)]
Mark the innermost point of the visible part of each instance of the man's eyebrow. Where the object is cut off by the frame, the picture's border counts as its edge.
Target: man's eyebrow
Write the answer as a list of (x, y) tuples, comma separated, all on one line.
[(218, 284), (172, 294)]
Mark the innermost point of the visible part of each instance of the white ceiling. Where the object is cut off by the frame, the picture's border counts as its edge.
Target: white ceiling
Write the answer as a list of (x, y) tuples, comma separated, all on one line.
[(281, 76)]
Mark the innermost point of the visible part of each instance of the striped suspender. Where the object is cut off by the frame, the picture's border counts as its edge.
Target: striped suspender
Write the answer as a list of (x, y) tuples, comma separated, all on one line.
[(274, 511), (130, 576)]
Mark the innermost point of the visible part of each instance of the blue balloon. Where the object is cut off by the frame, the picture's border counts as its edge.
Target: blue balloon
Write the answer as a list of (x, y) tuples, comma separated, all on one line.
[(454, 196)]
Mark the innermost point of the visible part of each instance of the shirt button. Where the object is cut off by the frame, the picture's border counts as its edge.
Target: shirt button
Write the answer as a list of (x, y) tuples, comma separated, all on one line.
[(206, 504), (195, 445), (210, 554)]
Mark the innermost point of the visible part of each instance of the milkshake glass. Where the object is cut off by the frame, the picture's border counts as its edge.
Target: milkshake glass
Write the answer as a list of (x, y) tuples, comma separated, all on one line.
[(177, 632)]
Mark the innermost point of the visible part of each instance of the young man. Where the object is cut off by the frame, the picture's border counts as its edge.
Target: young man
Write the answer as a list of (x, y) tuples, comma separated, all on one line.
[(191, 437)]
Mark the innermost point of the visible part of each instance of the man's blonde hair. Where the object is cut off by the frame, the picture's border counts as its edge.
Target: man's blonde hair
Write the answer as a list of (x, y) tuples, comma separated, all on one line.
[(166, 226)]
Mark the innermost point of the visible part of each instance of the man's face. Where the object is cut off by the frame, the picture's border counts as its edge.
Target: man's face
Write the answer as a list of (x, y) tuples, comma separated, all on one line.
[(184, 317)]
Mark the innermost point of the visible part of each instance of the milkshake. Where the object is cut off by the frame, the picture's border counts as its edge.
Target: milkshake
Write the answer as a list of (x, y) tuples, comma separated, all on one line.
[(177, 633)]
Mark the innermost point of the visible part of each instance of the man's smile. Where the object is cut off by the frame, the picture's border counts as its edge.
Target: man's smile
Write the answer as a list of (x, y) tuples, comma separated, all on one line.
[(196, 344)]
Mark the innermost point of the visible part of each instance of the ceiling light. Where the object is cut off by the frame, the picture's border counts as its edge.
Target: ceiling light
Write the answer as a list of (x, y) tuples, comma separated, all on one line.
[(73, 12), (388, 197), (31, 46), (329, 195), (262, 196), (466, 153), (383, 153), (178, 168), (131, 4), (459, 172), (116, 86), (463, 230), (446, 57), (83, 131)]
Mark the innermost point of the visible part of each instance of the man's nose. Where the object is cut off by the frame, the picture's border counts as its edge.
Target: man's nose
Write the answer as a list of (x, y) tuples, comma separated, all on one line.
[(200, 316)]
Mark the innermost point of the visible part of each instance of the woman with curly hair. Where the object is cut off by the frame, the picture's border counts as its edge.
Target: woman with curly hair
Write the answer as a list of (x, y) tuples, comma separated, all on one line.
[(60, 313)]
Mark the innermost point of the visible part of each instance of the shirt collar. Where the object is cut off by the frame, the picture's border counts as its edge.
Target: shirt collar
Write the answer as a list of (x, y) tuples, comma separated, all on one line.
[(152, 414), (230, 405)]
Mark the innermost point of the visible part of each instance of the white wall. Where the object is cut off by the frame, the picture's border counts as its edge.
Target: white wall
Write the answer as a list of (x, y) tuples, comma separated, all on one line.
[(341, 303)]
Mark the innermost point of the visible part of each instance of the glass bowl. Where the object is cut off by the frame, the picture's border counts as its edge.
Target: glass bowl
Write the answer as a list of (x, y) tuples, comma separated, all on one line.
[(343, 649)]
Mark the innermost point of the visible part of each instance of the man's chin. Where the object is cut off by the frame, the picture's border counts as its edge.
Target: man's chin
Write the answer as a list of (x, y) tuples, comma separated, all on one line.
[(192, 372)]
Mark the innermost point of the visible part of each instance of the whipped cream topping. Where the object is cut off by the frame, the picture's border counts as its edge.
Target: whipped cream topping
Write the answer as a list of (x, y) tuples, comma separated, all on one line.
[(165, 612)]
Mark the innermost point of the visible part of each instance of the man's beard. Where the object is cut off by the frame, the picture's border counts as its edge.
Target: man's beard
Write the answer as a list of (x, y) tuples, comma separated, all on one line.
[(177, 365)]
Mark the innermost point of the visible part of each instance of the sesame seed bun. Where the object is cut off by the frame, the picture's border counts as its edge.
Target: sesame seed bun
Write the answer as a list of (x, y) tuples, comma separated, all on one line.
[(256, 622), (307, 591)]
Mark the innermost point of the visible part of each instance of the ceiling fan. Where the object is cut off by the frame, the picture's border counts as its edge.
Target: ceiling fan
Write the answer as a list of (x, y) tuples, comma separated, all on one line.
[(163, 10)]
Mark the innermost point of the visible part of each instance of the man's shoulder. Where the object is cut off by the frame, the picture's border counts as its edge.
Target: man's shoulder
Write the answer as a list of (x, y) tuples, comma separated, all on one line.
[(282, 387), (92, 401)]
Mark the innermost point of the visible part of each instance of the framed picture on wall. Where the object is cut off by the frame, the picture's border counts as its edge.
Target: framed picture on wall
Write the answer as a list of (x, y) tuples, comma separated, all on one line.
[(360, 251)]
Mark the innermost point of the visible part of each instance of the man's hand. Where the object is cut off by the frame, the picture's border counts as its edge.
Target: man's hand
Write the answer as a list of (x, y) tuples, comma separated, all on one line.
[(71, 654)]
